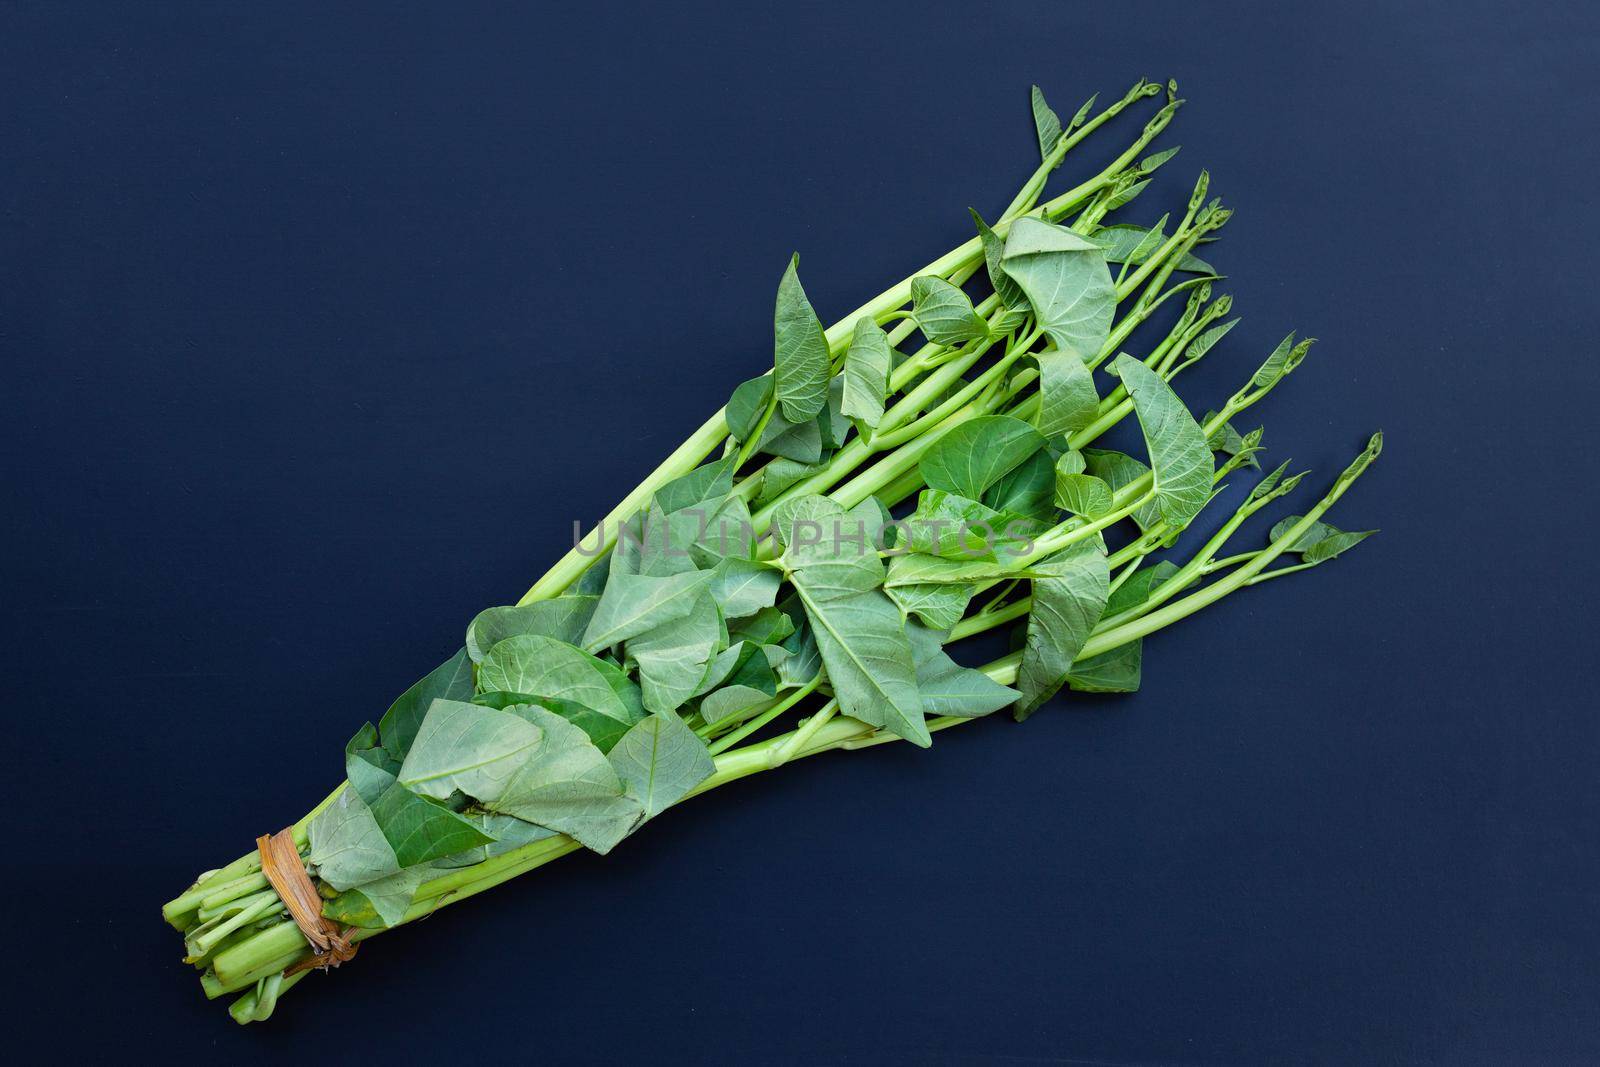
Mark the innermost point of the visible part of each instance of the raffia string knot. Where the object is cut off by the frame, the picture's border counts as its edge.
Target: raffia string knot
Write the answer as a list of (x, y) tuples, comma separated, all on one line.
[(280, 862)]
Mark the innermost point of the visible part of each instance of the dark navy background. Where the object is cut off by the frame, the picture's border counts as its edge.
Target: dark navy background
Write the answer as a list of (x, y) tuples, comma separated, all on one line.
[(320, 326)]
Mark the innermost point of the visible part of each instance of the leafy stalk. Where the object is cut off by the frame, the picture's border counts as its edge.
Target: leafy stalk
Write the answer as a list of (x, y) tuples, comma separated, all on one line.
[(663, 658)]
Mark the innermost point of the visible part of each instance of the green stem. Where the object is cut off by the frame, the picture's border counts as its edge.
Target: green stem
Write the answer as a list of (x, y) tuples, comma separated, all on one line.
[(1267, 576), (750, 445), (731, 739), (1230, 561), (807, 731)]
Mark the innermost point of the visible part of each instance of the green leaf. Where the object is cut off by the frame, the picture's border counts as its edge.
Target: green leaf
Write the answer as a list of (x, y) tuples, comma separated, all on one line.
[(800, 350), (625, 557), (798, 441), (704, 487), (732, 701), (831, 420), (1118, 469), (868, 525), (546, 668), (674, 656), (1329, 547), (469, 748), (1151, 241), (698, 533), (948, 525), (1045, 123), (347, 846), (569, 786), (362, 753), (1067, 397), (1321, 542), (508, 833), (1206, 341), (916, 569), (1179, 455), (563, 618), (1066, 607), (978, 453), (1083, 494), (782, 473), (938, 605), (830, 549), (593, 581), (804, 661), (766, 627), (727, 534), (603, 730), (378, 904), (1028, 489), (1151, 163), (858, 631), (416, 829), (866, 373), (944, 313), (1229, 442), (743, 587), (743, 663), (863, 643), (660, 761), (635, 603), (1126, 195), (994, 250), (1008, 320), (1123, 243), (451, 680), (952, 526), (1268, 485), (746, 405), (1139, 586), (1276, 365), (666, 544), (946, 686), (1083, 112), (1067, 282), (1118, 670)]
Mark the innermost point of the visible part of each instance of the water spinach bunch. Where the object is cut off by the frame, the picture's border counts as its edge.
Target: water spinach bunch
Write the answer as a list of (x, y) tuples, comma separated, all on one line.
[(789, 581)]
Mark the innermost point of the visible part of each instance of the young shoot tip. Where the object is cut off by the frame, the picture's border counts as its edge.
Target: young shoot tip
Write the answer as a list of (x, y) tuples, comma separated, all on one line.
[(1297, 354), (1142, 87), (1268, 488), (1359, 465), (1162, 118), (1291, 483)]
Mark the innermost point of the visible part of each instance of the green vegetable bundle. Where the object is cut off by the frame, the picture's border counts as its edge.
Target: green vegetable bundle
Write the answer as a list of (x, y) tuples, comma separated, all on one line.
[(787, 582)]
